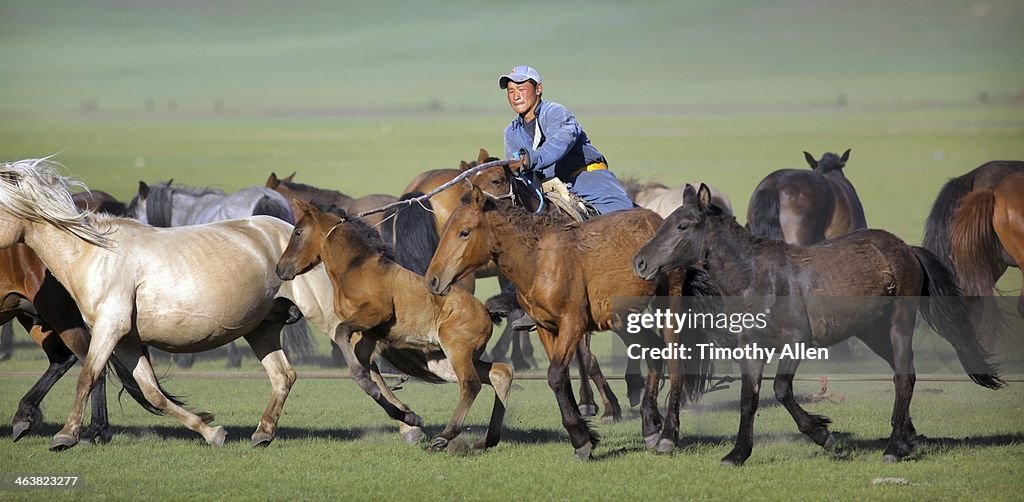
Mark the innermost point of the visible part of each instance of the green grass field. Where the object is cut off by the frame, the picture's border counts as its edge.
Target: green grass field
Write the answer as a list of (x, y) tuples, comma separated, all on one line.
[(361, 97)]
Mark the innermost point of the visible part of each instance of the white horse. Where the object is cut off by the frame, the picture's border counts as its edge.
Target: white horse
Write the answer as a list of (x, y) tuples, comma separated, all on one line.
[(180, 289), (663, 200)]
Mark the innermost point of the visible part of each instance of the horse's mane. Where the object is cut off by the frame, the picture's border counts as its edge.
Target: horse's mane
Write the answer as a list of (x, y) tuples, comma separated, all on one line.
[(366, 236), (829, 162), (34, 189), (160, 200), (520, 217)]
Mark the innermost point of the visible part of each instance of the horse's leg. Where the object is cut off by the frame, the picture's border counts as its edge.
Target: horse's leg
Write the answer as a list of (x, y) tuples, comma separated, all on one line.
[(7, 341), (359, 357), (588, 407), (132, 356), (525, 350), (901, 334), (460, 352), (882, 346), (751, 369), (501, 346), (560, 350), (813, 426), (677, 397), (234, 356), (411, 434), (61, 360), (183, 361), (499, 377), (612, 410), (265, 341), (98, 430), (104, 339)]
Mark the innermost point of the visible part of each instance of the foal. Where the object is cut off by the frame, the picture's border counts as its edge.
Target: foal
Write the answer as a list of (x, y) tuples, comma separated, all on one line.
[(391, 308)]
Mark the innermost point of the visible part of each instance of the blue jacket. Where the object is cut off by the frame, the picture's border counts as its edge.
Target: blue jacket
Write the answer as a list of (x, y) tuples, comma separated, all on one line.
[(564, 149)]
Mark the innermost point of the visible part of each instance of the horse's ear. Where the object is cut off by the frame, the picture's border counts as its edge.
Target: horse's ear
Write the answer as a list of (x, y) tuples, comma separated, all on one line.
[(482, 156), (477, 198), (704, 197), (463, 165), (290, 177), (689, 192), (143, 189), (303, 207), (810, 160), (846, 156), (272, 181)]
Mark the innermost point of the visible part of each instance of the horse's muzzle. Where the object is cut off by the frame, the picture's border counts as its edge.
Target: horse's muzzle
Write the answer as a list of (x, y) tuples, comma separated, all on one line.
[(643, 270), (436, 288)]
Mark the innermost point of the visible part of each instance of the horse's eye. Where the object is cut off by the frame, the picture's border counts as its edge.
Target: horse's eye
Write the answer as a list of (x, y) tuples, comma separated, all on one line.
[(298, 231), (495, 182), (682, 227), (464, 233)]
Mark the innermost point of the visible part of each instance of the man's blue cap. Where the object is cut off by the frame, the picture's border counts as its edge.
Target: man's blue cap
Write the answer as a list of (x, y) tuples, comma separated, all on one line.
[(519, 74)]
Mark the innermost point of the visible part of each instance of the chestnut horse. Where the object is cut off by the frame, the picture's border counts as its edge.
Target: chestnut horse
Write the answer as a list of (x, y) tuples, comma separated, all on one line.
[(566, 275), (976, 226), (805, 207), (390, 306), (788, 284)]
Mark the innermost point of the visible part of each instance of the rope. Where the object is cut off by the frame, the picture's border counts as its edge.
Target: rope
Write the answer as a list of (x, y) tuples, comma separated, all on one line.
[(465, 174)]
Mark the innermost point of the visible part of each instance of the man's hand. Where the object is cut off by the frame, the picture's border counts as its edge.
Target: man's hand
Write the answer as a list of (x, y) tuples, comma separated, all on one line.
[(519, 160)]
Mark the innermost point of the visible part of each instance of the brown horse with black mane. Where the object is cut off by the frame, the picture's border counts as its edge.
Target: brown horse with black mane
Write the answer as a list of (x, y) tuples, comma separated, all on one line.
[(566, 275), (391, 309), (976, 226), (299, 191)]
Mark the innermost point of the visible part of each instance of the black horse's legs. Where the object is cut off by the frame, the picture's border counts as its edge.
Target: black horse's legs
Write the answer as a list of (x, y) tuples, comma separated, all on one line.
[(650, 418), (7, 341), (580, 436), (612, 410), (28, 414), (500, 349), (751, 369), (882, 346), (525, 350), (901, 442), (677, 397), (814, 426), (99, 428)]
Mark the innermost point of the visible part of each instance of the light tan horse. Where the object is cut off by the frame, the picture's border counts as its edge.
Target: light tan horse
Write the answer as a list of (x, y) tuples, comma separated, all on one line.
[(392, 308), (663, 200), (178, 289)]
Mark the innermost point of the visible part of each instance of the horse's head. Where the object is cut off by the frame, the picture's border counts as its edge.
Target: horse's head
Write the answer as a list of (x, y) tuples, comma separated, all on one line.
[(465, 243), (829, 162), (680, 242), (306, 242), (493, 181)]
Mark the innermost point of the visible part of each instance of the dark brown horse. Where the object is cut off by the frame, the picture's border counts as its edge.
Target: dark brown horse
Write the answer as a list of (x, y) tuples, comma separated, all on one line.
[(391, 307), (805, 207), (307, 193), (789, 285), (566, 276), (976, 225)]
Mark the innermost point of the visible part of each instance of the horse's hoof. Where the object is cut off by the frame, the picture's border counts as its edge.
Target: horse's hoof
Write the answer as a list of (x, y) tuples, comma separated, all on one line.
[(611, 419), (666, 446), (260, 439), (728, 462), (62, 442), (413, 435), (651, 440), (96, 434), (219, 435), (636, 396), (19, 429), (439, 444), (588, 410), (889, 458), (830, 443), (585, 452)]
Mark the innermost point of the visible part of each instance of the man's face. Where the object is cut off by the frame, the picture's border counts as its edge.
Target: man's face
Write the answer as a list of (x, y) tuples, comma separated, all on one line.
[(523, 96)]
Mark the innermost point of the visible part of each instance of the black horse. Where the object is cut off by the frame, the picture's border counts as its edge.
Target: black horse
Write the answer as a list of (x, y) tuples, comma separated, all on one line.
[(804, 207), (791, 283)]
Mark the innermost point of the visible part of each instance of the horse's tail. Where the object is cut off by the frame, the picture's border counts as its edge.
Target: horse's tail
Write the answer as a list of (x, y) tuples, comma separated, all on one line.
[(131, 386), (946, 312), (271, 206), (974, 245), (706, 298), (412, 362), (763, 214), (412, 232), (937, 226), (297, 342)]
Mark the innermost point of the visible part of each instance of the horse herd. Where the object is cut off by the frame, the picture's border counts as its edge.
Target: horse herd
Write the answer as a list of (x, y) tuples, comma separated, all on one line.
[(396, 286)]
